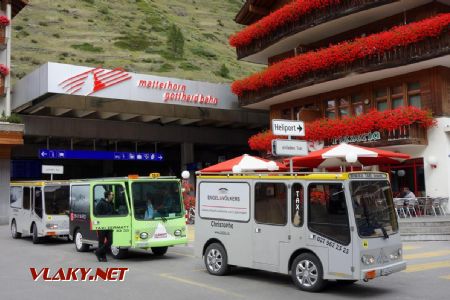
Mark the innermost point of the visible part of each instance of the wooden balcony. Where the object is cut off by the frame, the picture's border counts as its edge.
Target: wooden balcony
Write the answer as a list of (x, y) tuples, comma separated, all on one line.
[(347, 7), (412, 134), (427, 49)]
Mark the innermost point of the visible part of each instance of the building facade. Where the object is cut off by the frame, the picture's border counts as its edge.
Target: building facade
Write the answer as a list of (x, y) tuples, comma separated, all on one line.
[(10, 134), (369, 66)]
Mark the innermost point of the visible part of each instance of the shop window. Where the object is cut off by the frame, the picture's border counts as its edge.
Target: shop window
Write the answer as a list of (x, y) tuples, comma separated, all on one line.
[(271, 203), (327, 211), (297, 200)]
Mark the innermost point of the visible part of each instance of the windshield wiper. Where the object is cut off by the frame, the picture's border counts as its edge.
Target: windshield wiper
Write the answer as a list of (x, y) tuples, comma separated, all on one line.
[(385, 234)]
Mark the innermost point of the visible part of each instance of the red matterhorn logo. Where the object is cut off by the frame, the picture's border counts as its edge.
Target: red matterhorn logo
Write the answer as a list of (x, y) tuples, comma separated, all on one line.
[(97, 78)]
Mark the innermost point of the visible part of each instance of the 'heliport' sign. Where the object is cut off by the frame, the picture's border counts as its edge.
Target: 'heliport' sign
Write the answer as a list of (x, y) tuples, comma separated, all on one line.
[(288, 127)]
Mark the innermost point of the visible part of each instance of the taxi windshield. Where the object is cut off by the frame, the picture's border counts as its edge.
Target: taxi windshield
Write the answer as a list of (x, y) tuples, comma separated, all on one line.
[(156, 200), (374, 208)]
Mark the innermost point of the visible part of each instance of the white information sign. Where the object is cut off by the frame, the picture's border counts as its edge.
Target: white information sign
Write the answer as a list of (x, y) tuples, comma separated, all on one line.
[(48, 169), (289, 148), (288, 127), (225, 201)]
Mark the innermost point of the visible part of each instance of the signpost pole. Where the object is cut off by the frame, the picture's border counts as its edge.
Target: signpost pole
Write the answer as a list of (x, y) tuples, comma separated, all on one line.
[(291, 165), (51, 177)]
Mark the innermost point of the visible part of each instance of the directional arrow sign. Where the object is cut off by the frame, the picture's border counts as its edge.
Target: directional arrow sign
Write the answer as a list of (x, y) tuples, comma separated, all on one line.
[(288, 127)]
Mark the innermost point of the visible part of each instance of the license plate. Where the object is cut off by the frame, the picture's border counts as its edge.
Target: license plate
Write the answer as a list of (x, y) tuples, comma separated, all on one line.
[(390, 270)]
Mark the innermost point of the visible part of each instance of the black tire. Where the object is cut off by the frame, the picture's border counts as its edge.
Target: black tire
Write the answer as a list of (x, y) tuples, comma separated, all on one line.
[(35, 238), (307, 273), (119, 253), (14, 233), (159, 251), (78, 241), (216, 260)]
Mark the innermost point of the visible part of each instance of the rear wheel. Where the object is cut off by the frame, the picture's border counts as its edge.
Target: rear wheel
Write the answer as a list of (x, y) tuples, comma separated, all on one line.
[(118, 253), (307, 273), (159, 251), (79, 245), (35, 238), (216, 259), (14, 233)]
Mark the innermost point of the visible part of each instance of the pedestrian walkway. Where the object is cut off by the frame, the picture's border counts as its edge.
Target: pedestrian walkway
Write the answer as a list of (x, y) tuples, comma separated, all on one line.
[(430, 257)]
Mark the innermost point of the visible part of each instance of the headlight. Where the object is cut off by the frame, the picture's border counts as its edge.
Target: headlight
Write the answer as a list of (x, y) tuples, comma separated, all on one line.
[(143, 235), (177, 232), (396, 254), (368, 259), (51, 226)]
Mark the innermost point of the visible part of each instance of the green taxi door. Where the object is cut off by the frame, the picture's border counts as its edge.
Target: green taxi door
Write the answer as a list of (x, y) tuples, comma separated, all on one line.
[(110, 210)]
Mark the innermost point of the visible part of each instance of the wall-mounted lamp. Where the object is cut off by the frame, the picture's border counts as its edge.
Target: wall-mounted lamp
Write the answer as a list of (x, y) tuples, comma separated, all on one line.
[(432, 160), (401, 173)]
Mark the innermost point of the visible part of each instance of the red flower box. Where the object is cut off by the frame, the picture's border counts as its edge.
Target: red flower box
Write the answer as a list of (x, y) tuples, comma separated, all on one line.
[(327, 129), (4, 21), (341, 54), (4, 70), (288, 13)]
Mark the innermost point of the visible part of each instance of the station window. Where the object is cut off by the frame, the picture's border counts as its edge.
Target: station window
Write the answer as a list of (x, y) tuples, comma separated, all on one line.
[(297, 200), (79, 197), (26, 198), (38, 201), (119, 201), (271, 203), (327, 211)]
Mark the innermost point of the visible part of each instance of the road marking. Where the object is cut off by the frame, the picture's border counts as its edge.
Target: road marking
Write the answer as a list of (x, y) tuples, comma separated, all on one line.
[(445, 277), (199, 284), (411, 247), (428, 266), (427, 254), (181, 254)]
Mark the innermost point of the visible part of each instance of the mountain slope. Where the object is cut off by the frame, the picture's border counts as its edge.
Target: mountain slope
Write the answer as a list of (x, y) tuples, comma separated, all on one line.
[(132, 34)]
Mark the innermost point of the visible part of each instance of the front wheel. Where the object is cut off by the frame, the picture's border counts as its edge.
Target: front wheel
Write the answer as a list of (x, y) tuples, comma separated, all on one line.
[(35, 237), (216, 259), (307, 273), (14, 233), (118, 253), (159, 251)]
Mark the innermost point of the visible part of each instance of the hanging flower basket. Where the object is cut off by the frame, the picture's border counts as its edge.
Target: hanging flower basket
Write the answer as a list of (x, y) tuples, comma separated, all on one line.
[(327, 129), (4, 21), (4, 70), (345, 53)]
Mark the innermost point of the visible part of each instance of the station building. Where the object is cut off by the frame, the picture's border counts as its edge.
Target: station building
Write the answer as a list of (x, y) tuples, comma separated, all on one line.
[(342, 59), (105, 123)]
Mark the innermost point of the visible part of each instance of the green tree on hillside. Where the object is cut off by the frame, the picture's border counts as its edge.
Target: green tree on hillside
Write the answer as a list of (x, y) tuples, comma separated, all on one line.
[(175, 41)]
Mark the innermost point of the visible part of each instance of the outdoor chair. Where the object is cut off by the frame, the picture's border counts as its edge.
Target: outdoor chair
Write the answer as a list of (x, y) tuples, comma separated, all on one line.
[(399, 207), (437, 205), (411, 206), (427, 207)]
